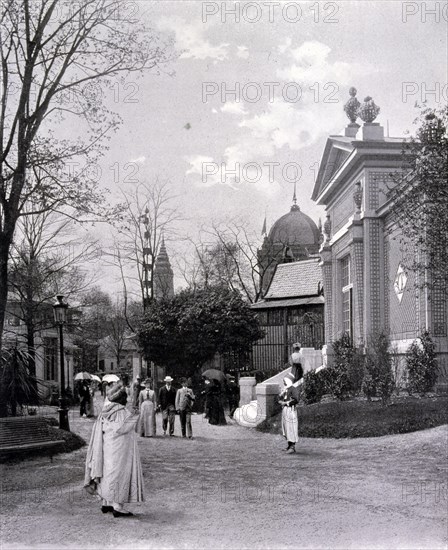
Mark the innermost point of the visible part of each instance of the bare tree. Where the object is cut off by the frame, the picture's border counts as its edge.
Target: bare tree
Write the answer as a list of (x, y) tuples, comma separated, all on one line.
[(45, 260), (54, 57), (148, 217), (235, 259)]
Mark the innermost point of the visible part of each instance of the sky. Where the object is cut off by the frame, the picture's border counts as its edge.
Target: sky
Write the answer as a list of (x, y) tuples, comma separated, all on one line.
[(256, 88)]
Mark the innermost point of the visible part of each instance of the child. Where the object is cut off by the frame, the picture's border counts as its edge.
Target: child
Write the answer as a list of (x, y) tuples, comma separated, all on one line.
[(184, 404)]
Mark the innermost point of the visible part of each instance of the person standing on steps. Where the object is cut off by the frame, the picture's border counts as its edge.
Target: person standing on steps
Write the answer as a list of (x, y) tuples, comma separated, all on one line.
[(288, 399), (167, 404), (296, 362)]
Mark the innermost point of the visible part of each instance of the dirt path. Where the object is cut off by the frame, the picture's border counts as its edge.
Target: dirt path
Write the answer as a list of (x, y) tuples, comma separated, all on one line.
[(231, 487)]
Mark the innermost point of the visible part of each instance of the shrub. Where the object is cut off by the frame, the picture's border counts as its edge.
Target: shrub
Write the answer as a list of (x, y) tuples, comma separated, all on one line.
[(344, 378), (314, 386), (17, 386), (379, 379), (422, 365)]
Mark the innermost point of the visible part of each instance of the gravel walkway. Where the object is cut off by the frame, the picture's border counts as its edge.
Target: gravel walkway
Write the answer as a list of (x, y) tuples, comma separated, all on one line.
[(232, 487)]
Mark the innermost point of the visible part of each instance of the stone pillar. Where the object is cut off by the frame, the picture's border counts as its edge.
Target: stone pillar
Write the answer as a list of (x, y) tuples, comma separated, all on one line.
[(267, 400), (247, 389), (327, 273), (327, 355)]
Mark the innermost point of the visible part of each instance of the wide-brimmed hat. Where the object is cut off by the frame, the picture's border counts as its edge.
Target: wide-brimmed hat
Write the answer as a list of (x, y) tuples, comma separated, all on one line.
[(168, 379), (296, 345)]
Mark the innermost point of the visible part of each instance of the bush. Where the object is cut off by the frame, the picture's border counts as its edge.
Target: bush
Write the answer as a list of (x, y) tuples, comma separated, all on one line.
[(422, 365), (379, 379), (344, 378), (17, 386), (314, 386)]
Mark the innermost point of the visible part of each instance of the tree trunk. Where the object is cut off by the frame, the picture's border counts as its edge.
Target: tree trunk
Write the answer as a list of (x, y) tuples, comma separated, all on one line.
[(5, 243)]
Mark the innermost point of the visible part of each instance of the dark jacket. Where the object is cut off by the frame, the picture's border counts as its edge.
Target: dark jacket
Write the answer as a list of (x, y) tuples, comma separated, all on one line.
[(167, 397)]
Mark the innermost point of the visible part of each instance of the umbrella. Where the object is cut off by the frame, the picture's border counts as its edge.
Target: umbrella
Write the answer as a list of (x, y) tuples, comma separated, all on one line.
[(214, 374), (111, 378), (83, 376), (96, 378)]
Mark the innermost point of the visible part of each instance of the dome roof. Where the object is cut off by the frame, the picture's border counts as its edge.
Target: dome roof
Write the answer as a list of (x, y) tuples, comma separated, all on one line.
[(295, 227)]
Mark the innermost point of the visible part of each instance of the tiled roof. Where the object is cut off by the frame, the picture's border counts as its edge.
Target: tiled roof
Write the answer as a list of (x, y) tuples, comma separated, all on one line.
[(295, 280), (289, 302)]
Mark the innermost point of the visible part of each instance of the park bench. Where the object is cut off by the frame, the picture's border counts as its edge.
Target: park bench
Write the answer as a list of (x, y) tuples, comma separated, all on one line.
[(21, 434)]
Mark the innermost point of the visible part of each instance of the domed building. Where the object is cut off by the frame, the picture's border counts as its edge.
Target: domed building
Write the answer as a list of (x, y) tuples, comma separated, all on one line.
[(291, 308), (292, 238)]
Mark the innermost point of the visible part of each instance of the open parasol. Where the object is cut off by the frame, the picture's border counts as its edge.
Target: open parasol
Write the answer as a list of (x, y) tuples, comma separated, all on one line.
[(110, 378), (83, 376), (96, 378), (214, 374)]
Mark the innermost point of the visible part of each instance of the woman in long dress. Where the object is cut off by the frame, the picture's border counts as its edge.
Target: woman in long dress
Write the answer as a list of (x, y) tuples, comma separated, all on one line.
[(146, 425), (113, 468), (290, 424), (214, 407)]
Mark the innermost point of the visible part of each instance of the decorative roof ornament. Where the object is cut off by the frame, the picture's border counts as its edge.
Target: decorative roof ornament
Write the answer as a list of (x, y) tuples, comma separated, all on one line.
[(294, 206), (368, 110), (352, 106), (357, 196)]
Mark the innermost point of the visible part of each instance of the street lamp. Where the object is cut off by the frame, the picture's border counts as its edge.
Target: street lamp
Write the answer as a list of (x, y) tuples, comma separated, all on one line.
[(60, 317)]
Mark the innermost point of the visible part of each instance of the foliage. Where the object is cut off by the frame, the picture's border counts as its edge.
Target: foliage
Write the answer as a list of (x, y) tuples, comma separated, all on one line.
[(379, 379), (314, 386), (184, 332), (17, 386), (422, 365), (419, 200), (344, 377), (351, 419)]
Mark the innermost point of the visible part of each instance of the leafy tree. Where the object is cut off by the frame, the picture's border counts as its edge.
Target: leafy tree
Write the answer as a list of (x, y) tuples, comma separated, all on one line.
[(422, 365), (419, 201), (55, 58), (184, 332)]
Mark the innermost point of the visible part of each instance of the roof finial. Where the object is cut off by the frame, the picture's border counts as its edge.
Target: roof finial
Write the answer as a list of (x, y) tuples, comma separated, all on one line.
[(294, 199)]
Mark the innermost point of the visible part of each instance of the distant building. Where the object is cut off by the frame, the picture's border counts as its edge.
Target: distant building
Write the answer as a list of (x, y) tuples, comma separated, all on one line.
[(293, 237), (163, 275), (292, 311), (291, 308), (46, 339)]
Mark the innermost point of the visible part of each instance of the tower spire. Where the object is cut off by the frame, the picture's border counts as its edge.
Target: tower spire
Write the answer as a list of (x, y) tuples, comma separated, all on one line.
[(294, 199)]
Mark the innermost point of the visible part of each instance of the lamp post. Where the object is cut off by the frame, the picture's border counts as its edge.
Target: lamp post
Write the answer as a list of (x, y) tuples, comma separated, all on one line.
[(60, 317)]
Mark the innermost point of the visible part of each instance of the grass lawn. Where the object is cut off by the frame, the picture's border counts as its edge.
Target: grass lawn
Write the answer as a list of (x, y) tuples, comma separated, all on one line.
[(360, 418)]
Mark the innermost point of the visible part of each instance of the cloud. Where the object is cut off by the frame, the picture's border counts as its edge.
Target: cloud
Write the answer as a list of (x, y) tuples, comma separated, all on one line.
[(233, 108), (311, 64), (191, 41), (242, 52)]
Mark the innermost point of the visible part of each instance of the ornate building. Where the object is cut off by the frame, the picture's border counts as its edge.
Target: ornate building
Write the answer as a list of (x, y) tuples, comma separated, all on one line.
[(163, 275), (292, 304), (367, 290), (293, 237)]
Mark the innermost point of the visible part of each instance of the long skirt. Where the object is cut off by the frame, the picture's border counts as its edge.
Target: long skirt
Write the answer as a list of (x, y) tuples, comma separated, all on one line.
[(113, 460), (290, 424), (146, 425)]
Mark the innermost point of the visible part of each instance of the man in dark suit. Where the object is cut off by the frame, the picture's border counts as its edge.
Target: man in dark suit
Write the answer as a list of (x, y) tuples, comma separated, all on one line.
[(167, 402)]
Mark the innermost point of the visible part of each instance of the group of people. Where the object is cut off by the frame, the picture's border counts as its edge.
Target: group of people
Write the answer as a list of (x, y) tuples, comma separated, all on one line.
[(113, 470), (169, 402), (86, 393)]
